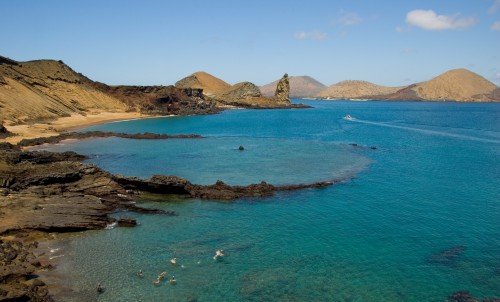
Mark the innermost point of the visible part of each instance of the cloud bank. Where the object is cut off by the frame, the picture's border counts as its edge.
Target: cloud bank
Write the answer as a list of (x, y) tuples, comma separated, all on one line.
[(429, 20)]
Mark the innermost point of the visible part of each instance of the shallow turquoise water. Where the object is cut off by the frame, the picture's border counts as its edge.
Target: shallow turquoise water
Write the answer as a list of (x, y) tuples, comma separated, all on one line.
[(432, 184)]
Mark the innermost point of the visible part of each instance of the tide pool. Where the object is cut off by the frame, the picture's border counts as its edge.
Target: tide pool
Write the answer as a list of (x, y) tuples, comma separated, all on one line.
[(414, 219)]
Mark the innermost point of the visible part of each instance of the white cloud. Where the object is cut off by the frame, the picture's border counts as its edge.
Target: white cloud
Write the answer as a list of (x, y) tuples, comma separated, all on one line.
[(495, 26), (494, 7), (349, 19), (312, 35), (428, 19)]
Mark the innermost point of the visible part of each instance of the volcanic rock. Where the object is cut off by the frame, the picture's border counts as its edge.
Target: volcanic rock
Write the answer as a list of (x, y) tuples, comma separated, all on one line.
[(282, 94), (3, 131), (241, 91), (300, 87)]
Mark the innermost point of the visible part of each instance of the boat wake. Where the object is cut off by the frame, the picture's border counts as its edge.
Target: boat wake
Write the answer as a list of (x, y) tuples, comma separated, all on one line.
[(427, 131)]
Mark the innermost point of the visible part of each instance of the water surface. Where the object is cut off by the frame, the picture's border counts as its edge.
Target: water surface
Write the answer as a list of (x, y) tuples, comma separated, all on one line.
[(431, 185)]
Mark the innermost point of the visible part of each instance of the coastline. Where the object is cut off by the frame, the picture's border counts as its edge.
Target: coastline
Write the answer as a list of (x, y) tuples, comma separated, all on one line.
[(63, 124)]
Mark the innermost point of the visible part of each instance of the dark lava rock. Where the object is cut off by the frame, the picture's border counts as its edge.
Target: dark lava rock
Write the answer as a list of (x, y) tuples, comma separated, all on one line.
[(3, 131), (127, 222)]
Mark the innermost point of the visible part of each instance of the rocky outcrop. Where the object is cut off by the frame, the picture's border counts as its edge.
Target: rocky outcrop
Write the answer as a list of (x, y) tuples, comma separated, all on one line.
[(300, 87), (17, 272), (241, 91), (3, 131), (99, 134), (161, 100), (282, 94), (48, 191)]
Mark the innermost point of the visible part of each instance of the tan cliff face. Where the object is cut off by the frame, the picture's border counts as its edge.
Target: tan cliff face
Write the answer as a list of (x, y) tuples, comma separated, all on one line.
[(47, 89)]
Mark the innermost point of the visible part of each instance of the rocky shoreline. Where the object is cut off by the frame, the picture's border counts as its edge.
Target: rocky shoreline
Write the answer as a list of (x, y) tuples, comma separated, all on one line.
[(43, 192)]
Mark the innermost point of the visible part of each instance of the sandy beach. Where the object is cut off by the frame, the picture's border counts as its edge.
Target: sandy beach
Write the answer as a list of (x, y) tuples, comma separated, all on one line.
[(65, 124)]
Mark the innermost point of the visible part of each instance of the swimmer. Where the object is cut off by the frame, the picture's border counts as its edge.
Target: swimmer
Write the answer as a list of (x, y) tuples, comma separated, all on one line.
[(156, 282), (219, 254), (172, 280), (99, 288), (173, 261), (162, 275), (140, 273)]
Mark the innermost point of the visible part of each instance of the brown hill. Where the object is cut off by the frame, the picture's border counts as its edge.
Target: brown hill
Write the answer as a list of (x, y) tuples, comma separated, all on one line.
[(300, 87), (459, 85), (355, 90), (47, 89), (211, 85)]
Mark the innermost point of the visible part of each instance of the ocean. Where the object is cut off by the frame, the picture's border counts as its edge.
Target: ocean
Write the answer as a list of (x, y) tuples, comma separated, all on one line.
[(415, 215)]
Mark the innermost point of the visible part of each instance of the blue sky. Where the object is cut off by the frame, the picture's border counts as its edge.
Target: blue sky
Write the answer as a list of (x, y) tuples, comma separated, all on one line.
[(390, 43)]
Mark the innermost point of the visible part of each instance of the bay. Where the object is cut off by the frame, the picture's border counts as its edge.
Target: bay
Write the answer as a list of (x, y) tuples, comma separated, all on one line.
[(415, 218)]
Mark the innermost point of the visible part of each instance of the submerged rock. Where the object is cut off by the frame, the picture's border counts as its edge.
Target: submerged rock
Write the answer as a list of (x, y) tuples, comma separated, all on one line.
[(465, 296), (447, 256)]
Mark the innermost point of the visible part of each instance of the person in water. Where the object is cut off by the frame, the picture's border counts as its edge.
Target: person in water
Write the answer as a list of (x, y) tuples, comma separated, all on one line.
[(172, 280), (219, 254), (99, 288), (173, 261), (140, 273)]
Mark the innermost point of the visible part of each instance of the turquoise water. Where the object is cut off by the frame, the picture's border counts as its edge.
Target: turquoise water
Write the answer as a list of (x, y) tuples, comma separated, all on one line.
[(432, 184)]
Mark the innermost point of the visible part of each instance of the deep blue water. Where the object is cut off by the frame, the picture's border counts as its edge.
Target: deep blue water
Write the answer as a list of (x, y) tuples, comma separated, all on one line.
[(432, 184)]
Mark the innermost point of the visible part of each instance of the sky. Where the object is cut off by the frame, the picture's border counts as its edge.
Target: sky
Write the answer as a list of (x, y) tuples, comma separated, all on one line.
[(153, 42)]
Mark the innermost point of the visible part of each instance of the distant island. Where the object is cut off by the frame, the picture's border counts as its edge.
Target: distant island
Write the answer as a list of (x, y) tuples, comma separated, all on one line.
[(459, 85)]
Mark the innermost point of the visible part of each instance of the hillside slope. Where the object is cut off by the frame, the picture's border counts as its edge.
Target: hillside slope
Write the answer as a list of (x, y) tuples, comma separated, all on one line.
[(355, 90), (211, 85), (459, 85), (300, 87), (47, 89)]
